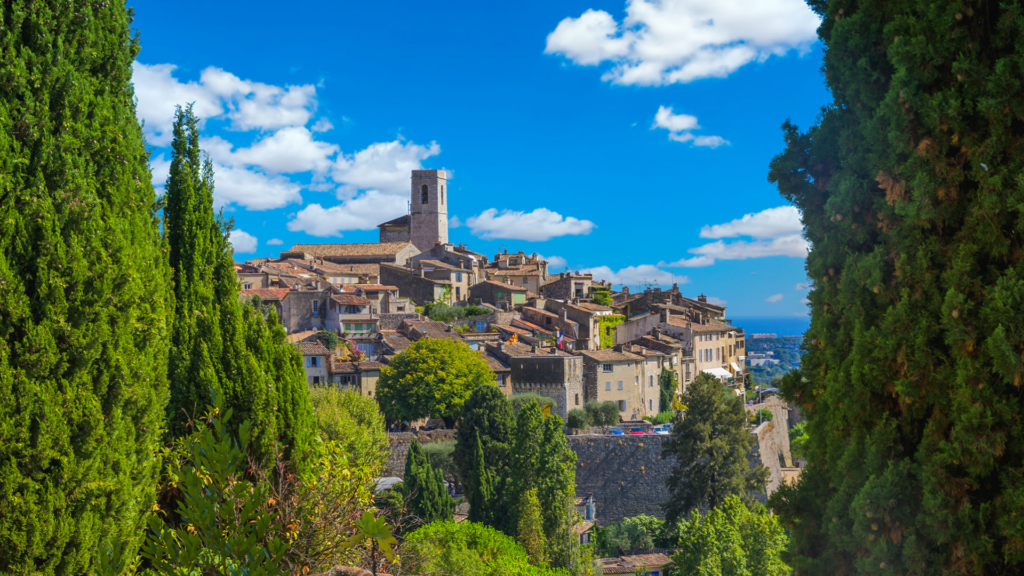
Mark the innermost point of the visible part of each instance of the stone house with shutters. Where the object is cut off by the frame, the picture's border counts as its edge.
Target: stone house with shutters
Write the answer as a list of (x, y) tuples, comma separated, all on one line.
[(351, 314), (611, 375), (316, 360), (497, 294)]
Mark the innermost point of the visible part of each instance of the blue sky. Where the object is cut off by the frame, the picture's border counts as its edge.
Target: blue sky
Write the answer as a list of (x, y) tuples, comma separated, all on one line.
[(629, 139)]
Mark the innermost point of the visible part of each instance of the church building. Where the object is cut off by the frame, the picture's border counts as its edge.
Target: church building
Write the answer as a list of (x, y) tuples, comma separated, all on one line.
[(427, 222)]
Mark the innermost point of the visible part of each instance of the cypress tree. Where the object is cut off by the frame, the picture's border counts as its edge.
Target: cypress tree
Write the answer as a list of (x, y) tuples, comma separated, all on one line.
[(428, 498), (710, 444), (482, 497), (530, 529), (524, 461), (487, 414), (220, 346), (84, 290), (556, 489), (911, 196)]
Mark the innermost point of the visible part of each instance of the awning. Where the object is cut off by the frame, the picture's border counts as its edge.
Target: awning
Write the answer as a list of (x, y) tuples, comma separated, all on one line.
[(735, 368), (717, 372)]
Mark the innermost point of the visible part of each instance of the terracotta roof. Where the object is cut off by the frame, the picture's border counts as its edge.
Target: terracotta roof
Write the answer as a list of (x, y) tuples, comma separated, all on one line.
[(373, 287), (539, 311), (350, 300), (519, 323), (493, 362), (629, 564), (430, 329), (497, 284), (314, 348), (400, 221), (266, 293), (330, 268), (512, 329), (610, 356), (395, 340), (354, 367), (711, 326), (367, 249), (439, 264), (582, 527), (513, 272), (300, 336), (593, 307)]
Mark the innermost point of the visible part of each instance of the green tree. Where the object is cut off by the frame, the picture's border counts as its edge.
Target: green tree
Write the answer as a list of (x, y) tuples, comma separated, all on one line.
[(441, 457), (530, 529), (481, 499), (910, 187), (577, 419), (518, 401), (425, 488), (731, 540), (218, 346), (634, 533), (328, 339), (432, 377), (798, 440), (610, 413), (710, 443), (524, 460), (353, 421), (669, 383), (486, 415), (84, 290), (468, 549), (556, 489)]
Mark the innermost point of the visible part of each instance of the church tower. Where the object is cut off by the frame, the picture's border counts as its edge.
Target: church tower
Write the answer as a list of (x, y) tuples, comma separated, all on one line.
[(429, 209)]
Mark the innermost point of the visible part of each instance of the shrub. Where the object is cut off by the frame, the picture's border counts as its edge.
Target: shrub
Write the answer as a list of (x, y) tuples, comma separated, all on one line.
[(663, 417), (355, 423), (762, 415), (610, 413), (577, 419), (468, 549), (328, 339), (520, 400)]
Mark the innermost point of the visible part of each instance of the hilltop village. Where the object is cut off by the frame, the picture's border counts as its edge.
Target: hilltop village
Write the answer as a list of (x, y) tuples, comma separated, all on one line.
[(563, 335)]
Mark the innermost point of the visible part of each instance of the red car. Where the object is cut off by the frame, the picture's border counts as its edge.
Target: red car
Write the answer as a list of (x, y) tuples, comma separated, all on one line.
[(637, 431)]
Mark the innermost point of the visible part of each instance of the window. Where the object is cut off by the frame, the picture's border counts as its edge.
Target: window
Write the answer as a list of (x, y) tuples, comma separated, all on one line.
[(313, 362), (316, 307), (316, 380), (442, 194), (499, 295), (352, 309), (607, 330), (481, 326), (524, 281), (622, 405), (718, 355), (458, 293), (606, 367), (636, 381), (424, 195), (247, 286), (577, 399), (620, 384), (650, 404), (458, 276), (730, 349), (607, 386), (650, 380)]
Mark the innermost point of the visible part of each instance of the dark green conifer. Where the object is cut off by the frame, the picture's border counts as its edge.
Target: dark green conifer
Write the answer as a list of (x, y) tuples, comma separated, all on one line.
[(911, 193), (84, 290), (481, 499), (556, 489), (486, 413), (424, 485), (219, 345)]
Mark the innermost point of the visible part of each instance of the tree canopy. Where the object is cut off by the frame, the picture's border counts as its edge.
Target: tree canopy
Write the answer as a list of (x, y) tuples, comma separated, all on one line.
[(424, 488), (710, 443), (84, 290), (468, 549), (432, 377), (910, 190), (487, 415), (731, 540)]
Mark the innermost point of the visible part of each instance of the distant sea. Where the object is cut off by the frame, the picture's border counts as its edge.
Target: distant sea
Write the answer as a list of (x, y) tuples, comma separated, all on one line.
[(781, 325)]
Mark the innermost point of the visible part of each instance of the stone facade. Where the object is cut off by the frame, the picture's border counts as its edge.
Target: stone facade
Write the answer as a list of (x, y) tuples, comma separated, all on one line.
[(400, 442), (302, 311), (626, 474), (556, 376), (411, 285), (393, 321), (611, 376), (773, 441), (429, 218), (567, 286)]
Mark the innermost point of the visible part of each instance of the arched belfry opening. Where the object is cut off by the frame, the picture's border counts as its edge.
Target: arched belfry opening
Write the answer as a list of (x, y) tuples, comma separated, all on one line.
[(424, 195)]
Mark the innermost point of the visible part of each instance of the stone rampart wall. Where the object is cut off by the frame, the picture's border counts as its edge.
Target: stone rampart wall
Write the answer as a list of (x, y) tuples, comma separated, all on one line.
[(626, 474), (773, 440)]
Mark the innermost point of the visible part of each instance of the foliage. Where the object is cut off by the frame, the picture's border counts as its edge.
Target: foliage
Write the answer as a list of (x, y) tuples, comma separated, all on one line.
[(601, 295), (355, 423), (762, 415), (218, 345), (227, 524), (520, 400), (556, 489), (530, 531), (606, 328), (468, 549), (443, 312), (442, 457), (328, 339), (577, 419), (635, 533), (661, 417), (482, 499), (486, 415), (602, 413), (910, 189), (668, 383), (710, 443), (798, 440), (84, 290), (525, 455), (376, 532), (731, 540), (432, 377), (424, 488)]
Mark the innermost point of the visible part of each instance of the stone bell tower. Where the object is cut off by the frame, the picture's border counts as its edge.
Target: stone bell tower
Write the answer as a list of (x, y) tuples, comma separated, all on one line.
[(429, 209)]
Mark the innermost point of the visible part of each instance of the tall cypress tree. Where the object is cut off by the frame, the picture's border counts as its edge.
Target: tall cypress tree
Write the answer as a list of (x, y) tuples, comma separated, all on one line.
[(487, 414), (428, 498), (525, 457), (84, 290), (911, 193), (482, 497), (556, 489), (220, 346)]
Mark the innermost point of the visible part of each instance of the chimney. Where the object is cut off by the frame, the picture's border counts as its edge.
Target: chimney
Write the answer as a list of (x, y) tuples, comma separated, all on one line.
[(656, 333), (534, 348), (562, 314), (702, 298)]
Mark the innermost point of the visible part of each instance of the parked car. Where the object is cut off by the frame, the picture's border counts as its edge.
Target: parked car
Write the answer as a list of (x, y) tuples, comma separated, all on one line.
[(636, 431), (662, 430), (615, 431)]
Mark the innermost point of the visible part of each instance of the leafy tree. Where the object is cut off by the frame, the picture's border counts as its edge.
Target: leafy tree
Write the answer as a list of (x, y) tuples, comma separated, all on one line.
[(577, 419), (731, 540), (910, 191), (798, 440), (610, 413), (762, 415), (525, 456), (355, 423), (84, 290), (530, 530), (468, 549), (481, 499), (634, 533), (486, 415), (219, 346), (520, 400), (556, 489), (668, 383), (424, 486), (710, 444), (432, 377)]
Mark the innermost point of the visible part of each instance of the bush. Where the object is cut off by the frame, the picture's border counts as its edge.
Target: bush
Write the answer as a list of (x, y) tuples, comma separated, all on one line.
[(467, 549), (610, 413), (354, 422), (443, 312), (577, 419), (328, 339), (520, 400), (762, 415), (663, 417)]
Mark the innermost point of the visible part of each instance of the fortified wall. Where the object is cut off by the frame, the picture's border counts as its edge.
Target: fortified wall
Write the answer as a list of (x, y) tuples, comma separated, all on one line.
[(626, 474), (773, 442)]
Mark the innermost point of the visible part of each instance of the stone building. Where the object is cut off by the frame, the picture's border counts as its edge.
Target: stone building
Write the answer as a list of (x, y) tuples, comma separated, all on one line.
[(614, 376), (567, 285), (497, 294), (427, 222), (415, 285), (303, 310), (367, 253), (520, 269), (545, 371)]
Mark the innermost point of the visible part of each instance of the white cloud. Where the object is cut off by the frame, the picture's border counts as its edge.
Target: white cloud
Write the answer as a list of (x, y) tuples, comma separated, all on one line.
[(287, 151), (774, 298), (252, 190), (537, 226), (718, 301), (275, 242), (669, 41), (770, 223), (794, 245), (384, 166), (803, 286), (554, 262), (454, 222), (242, 242), (805, 301), (161, 169), (363, 212), (679, 128), (322, 125), (636, 275)]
